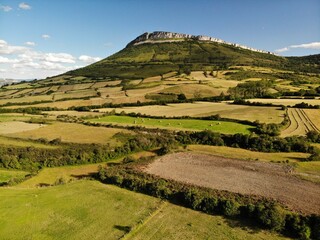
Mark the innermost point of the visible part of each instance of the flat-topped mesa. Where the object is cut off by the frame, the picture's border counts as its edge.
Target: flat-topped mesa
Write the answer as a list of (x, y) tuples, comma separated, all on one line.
[(156, 37)]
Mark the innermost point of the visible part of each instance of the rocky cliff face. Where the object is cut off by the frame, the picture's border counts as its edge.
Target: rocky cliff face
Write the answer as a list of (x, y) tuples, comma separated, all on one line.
[(171, 37)]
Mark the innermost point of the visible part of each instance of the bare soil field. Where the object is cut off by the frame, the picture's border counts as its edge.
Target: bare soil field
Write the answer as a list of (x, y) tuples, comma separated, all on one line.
[(247, 177), (300, 122)]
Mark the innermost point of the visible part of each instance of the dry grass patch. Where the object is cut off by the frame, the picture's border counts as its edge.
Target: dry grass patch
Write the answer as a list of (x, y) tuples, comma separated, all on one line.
[(286, 102), (244, 154), (18, 127), (200, 109), (193, 90)]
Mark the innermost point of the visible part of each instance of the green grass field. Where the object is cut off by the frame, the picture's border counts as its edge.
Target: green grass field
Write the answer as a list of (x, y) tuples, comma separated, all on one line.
[(178, 124), (92, 210), (22, 143), (6, 175)]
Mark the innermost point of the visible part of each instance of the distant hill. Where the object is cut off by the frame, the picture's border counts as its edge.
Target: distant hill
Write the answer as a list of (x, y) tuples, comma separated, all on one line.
[(157, 53)]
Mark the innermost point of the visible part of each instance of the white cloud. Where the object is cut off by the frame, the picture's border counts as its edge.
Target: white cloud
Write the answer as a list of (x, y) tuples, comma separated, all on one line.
[(5, 48), (282, 50), (5, 8), (46, 36), (27, 63), (88, 59), (59, 57), (313, 45), (30, 43), (24, 6), (7, 60)]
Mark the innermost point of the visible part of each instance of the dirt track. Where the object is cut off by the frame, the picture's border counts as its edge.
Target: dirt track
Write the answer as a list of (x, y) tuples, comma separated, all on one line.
[(300, 123), (247, 177)]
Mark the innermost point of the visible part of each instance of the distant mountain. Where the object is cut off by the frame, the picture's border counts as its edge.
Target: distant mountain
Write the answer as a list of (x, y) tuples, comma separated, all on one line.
[(157, 53), (4, 81)]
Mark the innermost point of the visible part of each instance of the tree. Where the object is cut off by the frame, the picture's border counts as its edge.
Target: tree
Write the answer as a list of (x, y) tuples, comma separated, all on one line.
[(182, 97)]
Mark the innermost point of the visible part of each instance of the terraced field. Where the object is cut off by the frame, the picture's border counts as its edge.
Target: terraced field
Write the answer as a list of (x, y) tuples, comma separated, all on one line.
[(300, 123)]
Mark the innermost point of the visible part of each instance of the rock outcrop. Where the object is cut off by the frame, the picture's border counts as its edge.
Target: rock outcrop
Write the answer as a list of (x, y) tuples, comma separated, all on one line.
[(156, 37)]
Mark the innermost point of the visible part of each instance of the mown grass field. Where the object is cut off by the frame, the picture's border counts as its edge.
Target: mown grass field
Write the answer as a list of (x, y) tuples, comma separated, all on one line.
[(179, 124), (200, 109), (6, 175), (239, 153), (72, 132), (91, 210), (79, 210)]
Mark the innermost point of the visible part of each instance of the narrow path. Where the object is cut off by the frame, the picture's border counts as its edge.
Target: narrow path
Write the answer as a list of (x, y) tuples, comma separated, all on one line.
[(136, 228)]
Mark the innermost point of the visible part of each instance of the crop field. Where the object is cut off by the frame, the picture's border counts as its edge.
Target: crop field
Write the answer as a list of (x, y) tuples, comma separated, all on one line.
[(286, 102), (67, 104), (180, 124), (6, 175), (244, 154), (314, 116), (300, 122), (193, 90), (259, 178), (72, 132), (200, 109), (18, 127)]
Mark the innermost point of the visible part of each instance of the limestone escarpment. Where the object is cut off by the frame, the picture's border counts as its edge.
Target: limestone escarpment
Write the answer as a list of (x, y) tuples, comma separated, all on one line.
[(160, 36)]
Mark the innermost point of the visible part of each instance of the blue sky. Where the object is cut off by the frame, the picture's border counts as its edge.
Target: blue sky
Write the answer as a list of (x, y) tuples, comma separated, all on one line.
[(40, 38)]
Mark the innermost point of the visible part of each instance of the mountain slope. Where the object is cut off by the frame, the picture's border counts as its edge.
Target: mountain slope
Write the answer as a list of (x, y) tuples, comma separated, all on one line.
[(154, 56)]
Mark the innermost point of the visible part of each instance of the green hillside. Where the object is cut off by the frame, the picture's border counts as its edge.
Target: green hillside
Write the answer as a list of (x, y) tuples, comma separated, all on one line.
[(150, 59)]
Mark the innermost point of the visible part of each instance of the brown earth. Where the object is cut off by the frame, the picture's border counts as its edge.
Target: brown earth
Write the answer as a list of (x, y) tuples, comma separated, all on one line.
[(270, 180)]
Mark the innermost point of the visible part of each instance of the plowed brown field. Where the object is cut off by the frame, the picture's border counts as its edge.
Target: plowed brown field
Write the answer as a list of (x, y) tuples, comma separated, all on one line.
[(247, 177)]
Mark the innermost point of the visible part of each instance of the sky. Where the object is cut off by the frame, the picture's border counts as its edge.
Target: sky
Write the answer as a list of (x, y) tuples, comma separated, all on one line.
[(41, 38)]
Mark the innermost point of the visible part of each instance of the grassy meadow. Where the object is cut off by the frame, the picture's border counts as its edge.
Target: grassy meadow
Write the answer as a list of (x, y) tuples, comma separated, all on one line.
[(91, 210), (177, 124), (6, 175)]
